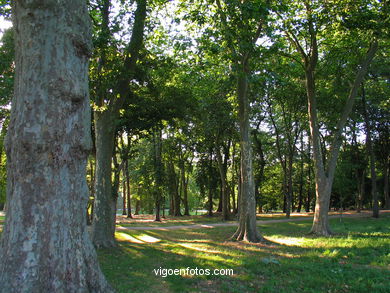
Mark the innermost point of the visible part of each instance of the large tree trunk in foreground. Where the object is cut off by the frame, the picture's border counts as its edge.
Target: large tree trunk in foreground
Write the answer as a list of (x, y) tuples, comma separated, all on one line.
[(45, 245), (247, 229)]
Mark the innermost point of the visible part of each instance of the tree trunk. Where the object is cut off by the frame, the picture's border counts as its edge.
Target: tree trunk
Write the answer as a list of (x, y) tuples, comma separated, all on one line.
[(174, 189), (137, 207), (371, 154), (210, 189), (300, 193), (91, 194), (157, 140), (128, 194), (323, 188), (290, 194), (184, 187), (386, 172), (45, 246), (210, 202), (103, 227), (224, 189), (324, 176), (247, 229), (308, 197), (124, 194), (103, 230)]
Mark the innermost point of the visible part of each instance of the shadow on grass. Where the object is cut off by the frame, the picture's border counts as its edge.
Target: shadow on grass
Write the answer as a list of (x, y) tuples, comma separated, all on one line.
[(290, 261)]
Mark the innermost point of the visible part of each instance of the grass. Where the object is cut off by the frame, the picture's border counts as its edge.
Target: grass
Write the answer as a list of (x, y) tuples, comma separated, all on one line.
[(356, 259)]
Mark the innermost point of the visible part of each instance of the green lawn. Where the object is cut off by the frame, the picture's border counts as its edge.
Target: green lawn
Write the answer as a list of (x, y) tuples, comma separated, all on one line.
[(356, 259)]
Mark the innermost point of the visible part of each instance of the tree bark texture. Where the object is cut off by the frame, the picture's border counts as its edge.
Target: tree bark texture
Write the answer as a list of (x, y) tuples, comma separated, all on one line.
[(247, 229), (103, 224), (45, 246)]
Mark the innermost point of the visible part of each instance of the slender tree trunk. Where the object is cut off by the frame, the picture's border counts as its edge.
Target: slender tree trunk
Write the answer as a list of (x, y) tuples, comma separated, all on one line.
[(184, 187), (224, 191), (91, 193), (371, 154), (233, 193), (247, 229), (323, 186), (210, 189), (137, 207), (128, 195), (309, 177), (185, 195), (45, 246), (158, 171), (386, 172), (171, 205), (174, 189), (124, 194), (300, 193), (103, 230)]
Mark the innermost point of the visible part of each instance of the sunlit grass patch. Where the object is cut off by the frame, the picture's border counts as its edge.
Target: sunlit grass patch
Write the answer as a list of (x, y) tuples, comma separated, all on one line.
[(355, 259)]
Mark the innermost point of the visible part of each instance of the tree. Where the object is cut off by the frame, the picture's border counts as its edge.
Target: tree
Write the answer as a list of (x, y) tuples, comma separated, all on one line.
[(45, 246), (315, 19), (241, 25), (109, 100)]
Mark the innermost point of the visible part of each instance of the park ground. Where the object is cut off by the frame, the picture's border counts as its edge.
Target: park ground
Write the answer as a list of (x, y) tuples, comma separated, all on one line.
[(355, 259)]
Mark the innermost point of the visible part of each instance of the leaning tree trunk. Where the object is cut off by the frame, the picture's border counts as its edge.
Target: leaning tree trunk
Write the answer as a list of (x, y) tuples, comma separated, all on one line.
[(247, 229), (103, 229), (45, 245), (324, 176)]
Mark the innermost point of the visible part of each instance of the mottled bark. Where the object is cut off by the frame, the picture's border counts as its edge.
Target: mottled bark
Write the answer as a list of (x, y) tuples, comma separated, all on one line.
[(247, 229), (45, 246)]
